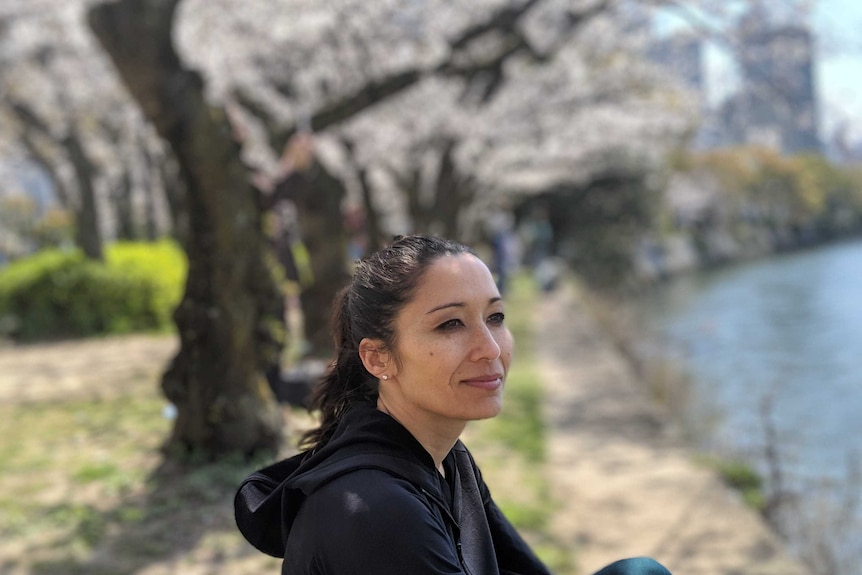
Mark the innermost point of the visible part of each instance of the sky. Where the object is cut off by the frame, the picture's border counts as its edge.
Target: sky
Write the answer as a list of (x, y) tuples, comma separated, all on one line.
[(839, 70)]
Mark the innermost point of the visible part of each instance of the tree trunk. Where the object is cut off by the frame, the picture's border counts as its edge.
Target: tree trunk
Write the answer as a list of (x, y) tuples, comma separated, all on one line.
[(324, 236), (88, 234), (451, 192), (42, 159), (148, 185), (229, 324), (373, 232), (372, 218), (175, 198), (126, 228)]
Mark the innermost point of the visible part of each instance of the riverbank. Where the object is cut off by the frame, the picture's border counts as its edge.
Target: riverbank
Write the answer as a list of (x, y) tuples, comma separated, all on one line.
[(658, 260), (625, 482), (770, 349)]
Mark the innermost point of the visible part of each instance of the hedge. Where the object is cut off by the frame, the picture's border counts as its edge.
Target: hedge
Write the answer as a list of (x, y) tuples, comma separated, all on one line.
[(57, 294)]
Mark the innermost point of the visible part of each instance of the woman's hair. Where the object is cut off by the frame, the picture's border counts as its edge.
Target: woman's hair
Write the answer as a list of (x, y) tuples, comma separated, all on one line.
[(382, 284)]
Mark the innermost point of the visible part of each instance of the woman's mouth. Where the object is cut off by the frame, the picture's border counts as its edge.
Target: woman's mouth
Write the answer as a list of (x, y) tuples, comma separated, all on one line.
[(488, 382)]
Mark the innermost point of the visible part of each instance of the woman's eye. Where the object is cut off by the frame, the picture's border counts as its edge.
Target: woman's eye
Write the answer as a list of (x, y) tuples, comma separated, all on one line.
[(497, 318), (451, 324)]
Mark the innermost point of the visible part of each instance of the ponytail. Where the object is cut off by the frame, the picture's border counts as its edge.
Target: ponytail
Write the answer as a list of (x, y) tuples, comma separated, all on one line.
[(345, 383)]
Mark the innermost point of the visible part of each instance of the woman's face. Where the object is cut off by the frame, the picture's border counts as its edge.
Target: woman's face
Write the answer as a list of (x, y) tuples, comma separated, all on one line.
[(452, 348)]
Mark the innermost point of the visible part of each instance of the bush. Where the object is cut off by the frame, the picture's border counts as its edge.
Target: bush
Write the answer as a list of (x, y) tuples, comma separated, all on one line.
[(59, 294)]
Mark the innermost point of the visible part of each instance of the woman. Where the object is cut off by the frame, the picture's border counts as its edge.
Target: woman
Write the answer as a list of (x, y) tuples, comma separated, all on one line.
[(384, 485)]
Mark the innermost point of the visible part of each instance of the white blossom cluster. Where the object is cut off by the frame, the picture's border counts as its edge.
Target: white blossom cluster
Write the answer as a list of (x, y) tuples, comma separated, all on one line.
[(532, 92)]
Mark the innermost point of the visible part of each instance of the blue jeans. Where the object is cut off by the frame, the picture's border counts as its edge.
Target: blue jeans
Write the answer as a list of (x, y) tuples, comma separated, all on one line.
[(634, 566)]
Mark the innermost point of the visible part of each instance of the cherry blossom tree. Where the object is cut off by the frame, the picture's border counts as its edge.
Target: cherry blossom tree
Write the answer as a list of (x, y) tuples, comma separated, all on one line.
[(66, 112)]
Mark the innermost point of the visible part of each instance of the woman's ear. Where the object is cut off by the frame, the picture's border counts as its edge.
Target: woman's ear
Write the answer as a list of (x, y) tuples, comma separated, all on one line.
[(374, 356)]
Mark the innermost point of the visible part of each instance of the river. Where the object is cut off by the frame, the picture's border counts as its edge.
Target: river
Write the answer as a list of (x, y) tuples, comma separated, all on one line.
[(785, 333)]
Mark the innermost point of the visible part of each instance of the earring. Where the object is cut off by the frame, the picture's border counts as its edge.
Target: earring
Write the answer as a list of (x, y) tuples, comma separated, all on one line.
[(384, 377)]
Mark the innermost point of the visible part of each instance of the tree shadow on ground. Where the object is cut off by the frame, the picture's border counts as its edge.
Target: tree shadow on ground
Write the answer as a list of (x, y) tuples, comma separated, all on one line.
[(183, 516)]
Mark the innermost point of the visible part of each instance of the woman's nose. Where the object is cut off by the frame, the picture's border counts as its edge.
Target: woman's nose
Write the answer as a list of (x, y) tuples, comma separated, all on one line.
[(485, 345)]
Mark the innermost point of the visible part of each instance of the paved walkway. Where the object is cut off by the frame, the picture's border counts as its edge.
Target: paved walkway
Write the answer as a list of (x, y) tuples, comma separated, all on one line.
[(626, 485)]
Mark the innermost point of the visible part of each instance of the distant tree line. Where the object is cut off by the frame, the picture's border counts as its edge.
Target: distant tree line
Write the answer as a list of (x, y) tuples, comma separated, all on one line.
[(761, 202)]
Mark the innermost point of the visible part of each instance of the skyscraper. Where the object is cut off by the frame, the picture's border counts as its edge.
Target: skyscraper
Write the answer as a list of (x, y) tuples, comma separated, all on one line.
[(681, 55), (777, 99)]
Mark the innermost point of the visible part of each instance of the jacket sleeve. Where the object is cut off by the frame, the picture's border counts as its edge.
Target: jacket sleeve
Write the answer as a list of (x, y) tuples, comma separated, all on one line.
[(370, 522)]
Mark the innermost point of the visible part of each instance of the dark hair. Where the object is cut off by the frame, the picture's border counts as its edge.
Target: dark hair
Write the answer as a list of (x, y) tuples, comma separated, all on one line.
[(382, 284)]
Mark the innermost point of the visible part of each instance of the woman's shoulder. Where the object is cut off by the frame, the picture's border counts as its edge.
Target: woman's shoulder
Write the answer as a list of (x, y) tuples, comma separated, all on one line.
[(366, 488), (370, 521), (371, 502)]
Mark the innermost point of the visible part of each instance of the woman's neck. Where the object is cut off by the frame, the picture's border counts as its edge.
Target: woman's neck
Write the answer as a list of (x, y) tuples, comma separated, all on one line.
[(437, 439)]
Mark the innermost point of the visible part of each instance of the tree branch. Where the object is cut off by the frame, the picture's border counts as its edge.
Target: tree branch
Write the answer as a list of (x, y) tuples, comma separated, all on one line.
[(376, 91)]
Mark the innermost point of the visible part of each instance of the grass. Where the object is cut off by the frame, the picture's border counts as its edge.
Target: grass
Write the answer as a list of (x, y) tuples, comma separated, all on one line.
[(86, 491), (741, 477)]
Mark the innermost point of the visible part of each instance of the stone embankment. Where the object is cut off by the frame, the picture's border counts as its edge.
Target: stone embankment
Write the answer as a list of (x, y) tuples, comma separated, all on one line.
[(626, 484)]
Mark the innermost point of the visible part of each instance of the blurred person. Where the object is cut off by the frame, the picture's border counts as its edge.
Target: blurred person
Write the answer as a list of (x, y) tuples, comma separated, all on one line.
[(538, 238), (504, 248), (384, 484), (357, 236)]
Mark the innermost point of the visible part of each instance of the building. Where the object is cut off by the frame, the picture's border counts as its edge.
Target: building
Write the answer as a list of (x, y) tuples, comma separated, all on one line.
[(776, 105), (681, 56)]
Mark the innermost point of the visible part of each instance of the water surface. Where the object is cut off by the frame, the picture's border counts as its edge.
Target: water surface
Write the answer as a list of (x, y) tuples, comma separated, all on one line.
[(784, 332)]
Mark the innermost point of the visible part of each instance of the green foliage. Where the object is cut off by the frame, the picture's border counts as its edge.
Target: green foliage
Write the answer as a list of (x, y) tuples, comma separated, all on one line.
[(27, 228), (18, 213), (55, 294), (54, 228), (743, 479), (805, 191), (598, 224)]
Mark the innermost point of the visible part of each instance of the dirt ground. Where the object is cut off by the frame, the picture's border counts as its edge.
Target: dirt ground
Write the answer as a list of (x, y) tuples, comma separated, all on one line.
[(81, 369), (625, 483)]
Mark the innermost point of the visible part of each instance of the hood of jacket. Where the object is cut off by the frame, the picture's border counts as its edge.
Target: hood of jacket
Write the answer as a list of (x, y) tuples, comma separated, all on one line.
[(268, 500)]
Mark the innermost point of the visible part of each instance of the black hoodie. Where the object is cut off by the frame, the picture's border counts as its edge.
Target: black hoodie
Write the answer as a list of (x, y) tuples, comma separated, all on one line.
[(372, 502)]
